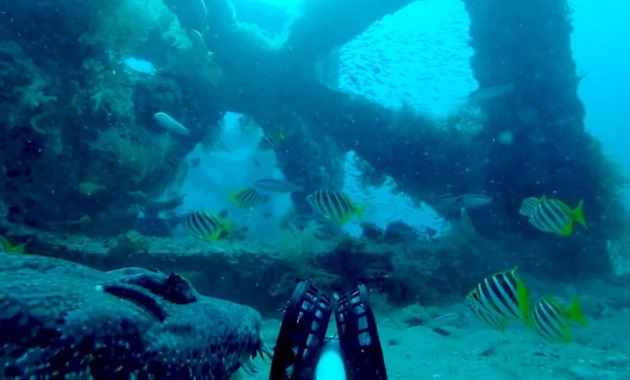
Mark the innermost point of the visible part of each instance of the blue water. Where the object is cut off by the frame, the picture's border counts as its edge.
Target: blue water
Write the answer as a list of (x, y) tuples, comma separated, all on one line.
[(436, 79)]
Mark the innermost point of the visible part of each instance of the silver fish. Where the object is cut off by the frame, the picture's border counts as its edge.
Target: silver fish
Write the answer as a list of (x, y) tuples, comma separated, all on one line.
[(454, 203), (168, 123), (277, 186)]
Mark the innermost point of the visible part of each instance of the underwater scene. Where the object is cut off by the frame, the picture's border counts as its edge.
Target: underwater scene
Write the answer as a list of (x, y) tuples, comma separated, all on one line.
[(314, 189)]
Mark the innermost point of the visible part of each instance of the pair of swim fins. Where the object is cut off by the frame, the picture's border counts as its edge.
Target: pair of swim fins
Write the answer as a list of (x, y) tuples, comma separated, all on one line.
[(303, 335)]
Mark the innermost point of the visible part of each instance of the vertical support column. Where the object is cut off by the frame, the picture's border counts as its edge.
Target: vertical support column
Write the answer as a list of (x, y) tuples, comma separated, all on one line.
[(534, 129)]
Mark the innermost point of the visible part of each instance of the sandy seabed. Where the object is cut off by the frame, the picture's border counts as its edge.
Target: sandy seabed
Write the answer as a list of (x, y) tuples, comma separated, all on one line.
[(471, 351)]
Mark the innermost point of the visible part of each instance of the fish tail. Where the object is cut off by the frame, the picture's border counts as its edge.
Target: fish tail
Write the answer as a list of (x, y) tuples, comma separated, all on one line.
[(503, 324), (346, 217), (9, 247), (226, 226), (17, 248), (358, 211), (578, 214), (574, 312), (524, 302), (232, 196)]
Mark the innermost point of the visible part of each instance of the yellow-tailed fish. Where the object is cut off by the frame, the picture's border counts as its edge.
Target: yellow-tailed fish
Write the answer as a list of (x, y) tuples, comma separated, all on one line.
[(503, 294), (271, 140), (7, 247), (554, 216), (206, 225), (334, 205), (552, 321), (248, 197), (495, 321)]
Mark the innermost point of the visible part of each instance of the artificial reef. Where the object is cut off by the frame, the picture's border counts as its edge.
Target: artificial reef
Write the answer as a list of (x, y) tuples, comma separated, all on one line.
[(81, 154)]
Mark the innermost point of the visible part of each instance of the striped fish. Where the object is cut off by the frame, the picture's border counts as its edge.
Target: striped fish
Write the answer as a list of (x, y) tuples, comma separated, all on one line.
[(553, 322), (248, 197), (206, 225), (528, 206), (504, 295), (554, 216), (334, 205), (271, 141), (493, 320)]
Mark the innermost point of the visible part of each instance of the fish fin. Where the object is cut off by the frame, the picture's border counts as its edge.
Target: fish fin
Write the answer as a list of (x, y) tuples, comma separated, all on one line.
[(215, 235), (574, 312), (226, 226), (524, 301), (17, 248), (346, 217), (232, 196), (358, 211), (5, 243), (566, 231), (9, 247), (578, 214), (503, 324)]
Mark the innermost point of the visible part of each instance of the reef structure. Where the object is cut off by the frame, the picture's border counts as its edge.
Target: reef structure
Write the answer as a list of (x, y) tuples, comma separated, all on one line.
[(532, 142), (59, 319)]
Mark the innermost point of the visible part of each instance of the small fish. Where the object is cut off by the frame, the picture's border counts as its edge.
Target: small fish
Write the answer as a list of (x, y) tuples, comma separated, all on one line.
[(454, 203), (554, 216), (528, 206), (248, 197), (271, 141), (277, 185), (552, 321), (504, 295), (7, 247), (206, 225), (497, 322), (334, 205), (168, 123)]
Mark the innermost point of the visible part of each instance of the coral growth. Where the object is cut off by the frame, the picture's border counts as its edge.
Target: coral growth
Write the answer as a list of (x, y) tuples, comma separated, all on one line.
[(133, 154), (130, 242), (125, 24), (299, 249)]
